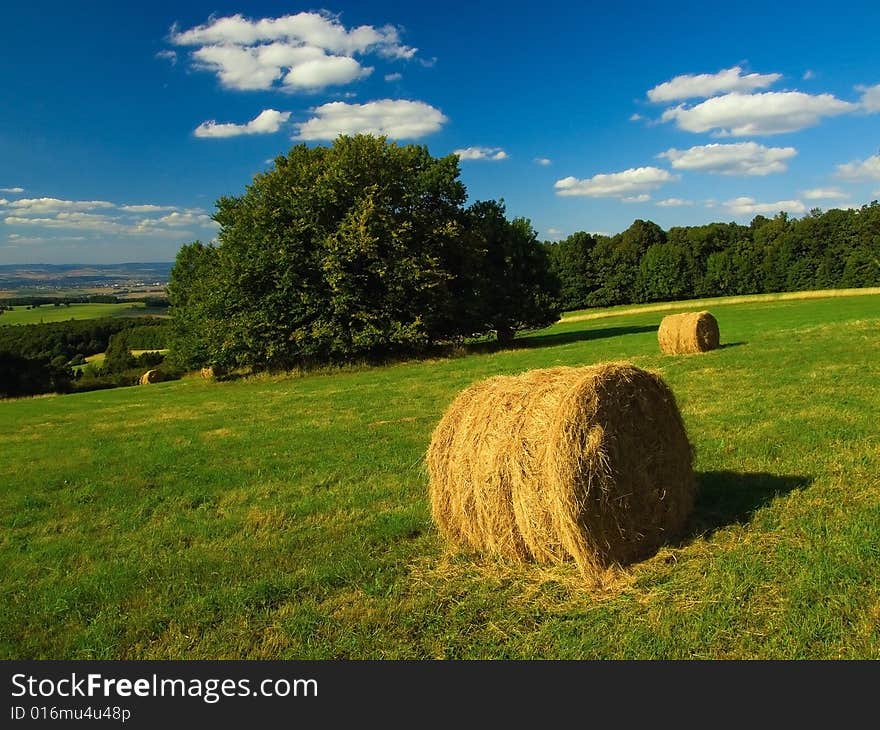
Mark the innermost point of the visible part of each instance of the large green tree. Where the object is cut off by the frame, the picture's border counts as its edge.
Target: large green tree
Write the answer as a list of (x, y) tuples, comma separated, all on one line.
[(360, 249)]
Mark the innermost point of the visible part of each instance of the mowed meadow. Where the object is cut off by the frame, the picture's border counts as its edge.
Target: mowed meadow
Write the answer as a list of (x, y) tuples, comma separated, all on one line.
[(287, 517)]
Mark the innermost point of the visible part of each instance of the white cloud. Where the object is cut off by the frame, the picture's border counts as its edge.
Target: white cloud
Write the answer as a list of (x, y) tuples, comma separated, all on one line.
[(26, 240), (76, 220), (771, 112), (749, 206), (741, 158), (824, 194), (628, 183), (481, 153), (643, 198), (808, 75), (322, 72), (673, 203), (11, 190), (306, 51), (689, 86), (393, 77), (53, 214), (168, 55), (543, 161), (28, 206), (147, 208), (399, 119), (554, 233), (267, 121), (870, 100), (860, 169), (185, 218)]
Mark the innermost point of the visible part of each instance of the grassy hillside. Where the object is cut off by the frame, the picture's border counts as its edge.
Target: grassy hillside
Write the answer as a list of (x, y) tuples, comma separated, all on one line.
[(49, 313), (287, 517)]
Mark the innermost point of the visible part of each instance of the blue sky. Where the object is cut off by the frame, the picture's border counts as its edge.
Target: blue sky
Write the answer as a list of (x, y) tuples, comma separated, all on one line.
[(121, 125)]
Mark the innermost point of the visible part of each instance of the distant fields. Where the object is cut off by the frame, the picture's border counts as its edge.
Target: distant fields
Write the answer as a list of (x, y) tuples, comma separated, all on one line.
[(286, 517), (50, 313)]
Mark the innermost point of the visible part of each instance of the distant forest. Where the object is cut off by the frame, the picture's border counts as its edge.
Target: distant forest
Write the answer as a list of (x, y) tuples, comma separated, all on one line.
[(835, 249)]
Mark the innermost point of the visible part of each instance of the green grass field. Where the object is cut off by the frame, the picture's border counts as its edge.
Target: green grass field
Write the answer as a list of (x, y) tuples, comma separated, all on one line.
[(287, 517), (50, 313)]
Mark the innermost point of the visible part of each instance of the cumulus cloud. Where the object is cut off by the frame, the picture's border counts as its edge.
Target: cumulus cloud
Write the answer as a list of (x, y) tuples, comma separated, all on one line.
[(26, 206), (393, 77), (823, 194), (673, 203), (643, 198), (307, 51), (860, 169), (481, 153), (749, 206), (395, 118), (321, 72), (741, 158), (636, 117), (543, 161), (690, 86), (146, 208), (12, 190), (870, 100), (771, 112), (628, 183), (267, 121), (53, 214), (554, 233)]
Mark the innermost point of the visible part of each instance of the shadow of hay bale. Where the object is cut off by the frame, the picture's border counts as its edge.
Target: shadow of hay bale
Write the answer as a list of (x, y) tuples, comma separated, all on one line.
[(727, 498), (560, 338)]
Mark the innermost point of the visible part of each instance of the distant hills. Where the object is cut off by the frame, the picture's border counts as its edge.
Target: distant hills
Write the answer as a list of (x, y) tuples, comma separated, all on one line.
[(84, 276)]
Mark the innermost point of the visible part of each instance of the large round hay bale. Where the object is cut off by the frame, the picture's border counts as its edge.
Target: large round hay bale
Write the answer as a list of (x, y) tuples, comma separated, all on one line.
[(151, 376), (591, 464), (690, 332)]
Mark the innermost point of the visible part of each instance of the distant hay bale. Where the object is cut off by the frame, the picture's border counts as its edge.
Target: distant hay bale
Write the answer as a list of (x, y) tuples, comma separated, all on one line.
[(207, 373), (151, 376), (591, 464), (682, 334)]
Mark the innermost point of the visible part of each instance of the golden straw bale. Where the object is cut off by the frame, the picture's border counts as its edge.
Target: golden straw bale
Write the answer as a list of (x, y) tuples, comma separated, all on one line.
[(591, 464), (690, 332), (207, 373), (151, 376)]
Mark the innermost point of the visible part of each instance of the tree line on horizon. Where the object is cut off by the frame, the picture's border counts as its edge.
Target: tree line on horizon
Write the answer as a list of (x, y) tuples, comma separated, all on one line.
[(835, 249)]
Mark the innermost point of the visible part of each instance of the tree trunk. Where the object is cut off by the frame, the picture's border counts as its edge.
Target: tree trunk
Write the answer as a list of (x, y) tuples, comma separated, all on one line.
[(505, 334)]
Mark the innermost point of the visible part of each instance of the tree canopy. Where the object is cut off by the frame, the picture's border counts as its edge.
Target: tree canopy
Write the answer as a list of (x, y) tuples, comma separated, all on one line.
[(360, 249), (838, 248)]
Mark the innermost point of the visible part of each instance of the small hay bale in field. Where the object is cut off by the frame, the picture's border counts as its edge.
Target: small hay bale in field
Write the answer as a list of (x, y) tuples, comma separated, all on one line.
[(151, 376), (207, 373), (590, 463), (682, 334)]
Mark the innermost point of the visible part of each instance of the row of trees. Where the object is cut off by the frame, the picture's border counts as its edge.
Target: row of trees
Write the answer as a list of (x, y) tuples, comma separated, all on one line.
[(838, 248), (359, 250)]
